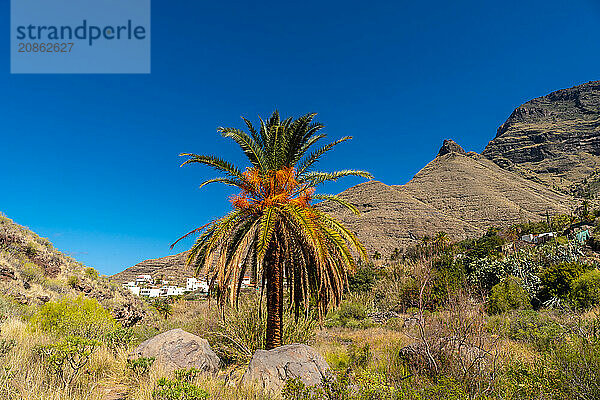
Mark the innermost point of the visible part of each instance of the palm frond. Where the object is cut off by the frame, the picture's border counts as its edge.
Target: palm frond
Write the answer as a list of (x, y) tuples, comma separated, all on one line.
[(338, 200), (215, 162)]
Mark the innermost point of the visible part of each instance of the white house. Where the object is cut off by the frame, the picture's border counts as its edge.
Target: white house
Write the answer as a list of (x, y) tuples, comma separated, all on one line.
[(171, 291), (143, 279), (246, 281), (150, 292), (537, 239), (134, 289), (193, 284)]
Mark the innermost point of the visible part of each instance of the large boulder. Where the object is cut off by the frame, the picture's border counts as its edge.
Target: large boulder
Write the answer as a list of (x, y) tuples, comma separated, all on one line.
[(270, 369), (178, 349)]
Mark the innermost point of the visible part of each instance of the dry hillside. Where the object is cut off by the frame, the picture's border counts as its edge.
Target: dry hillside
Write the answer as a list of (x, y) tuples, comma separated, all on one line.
[(170, 268), (462, 194), (33, 272)]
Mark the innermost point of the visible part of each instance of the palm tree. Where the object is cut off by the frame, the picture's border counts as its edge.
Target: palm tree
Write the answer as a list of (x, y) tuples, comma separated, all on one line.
[(163, 308), (275, 229), (441, 241)]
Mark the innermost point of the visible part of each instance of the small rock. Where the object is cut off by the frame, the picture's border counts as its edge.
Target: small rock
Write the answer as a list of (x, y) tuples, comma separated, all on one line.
[(271, 369), (178, 349), (128, 314), (43, 299), (7, 274)]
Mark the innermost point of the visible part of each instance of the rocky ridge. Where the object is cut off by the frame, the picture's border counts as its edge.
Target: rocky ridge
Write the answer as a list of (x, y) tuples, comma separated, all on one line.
[(553, 139)]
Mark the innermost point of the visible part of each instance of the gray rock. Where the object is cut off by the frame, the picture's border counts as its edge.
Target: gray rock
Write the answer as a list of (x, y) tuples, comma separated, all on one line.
[(271, 369), (450, 146), (178, 349)]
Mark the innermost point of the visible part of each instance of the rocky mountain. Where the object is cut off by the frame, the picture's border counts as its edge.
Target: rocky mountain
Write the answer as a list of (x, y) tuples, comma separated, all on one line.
[(554, 139), (33, 272), (462, 194)]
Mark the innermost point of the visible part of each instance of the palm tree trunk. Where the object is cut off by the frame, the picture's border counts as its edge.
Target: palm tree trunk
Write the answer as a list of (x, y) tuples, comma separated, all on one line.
[(273, 264)]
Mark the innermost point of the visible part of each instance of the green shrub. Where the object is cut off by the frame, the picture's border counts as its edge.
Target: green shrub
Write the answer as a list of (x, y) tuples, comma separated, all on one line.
[(91, 273), (73, 281), (119, 338), (363, 280), (68, 357), (163, 307), (10, 308), (32, 273), (350, 314), (520, 381), (577, 366), (507, 295), (80, 316), (187, 375), (31, 250), (141, 366), (532, 327), (175, 389), (557, 278), (585, 290)]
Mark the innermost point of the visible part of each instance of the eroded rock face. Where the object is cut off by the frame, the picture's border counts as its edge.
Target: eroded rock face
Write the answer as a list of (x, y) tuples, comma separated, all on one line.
[(270, 369), (553, 138), (178, 349)]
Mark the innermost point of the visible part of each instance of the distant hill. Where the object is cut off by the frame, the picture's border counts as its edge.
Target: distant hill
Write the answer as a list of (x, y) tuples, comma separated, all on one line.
[(462, 194), (33, 272), (554, 139), (170, 268)]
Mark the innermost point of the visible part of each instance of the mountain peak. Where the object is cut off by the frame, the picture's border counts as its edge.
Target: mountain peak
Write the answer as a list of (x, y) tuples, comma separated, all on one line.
[(450, 146)]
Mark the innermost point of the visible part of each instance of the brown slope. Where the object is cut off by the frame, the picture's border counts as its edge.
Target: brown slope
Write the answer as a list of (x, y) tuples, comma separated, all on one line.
[(390, 218), (170, 268), (553, 139), (473, 189)]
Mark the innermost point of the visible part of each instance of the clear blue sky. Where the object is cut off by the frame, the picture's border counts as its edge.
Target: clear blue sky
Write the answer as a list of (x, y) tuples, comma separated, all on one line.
[(91, 161)]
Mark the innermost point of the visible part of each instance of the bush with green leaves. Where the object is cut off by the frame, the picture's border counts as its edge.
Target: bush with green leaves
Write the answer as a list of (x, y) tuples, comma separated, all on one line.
[(350, 314), (176, 389), (32, 273), (540, 330), (118, 339), (577, 366), (370, 384), (91, 273), (73, 281), (140, 366), (66, 358), (585, 290), (363, 280), (163, 307), (527, 381), (556, 280), (79, 316), (507, 295)]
